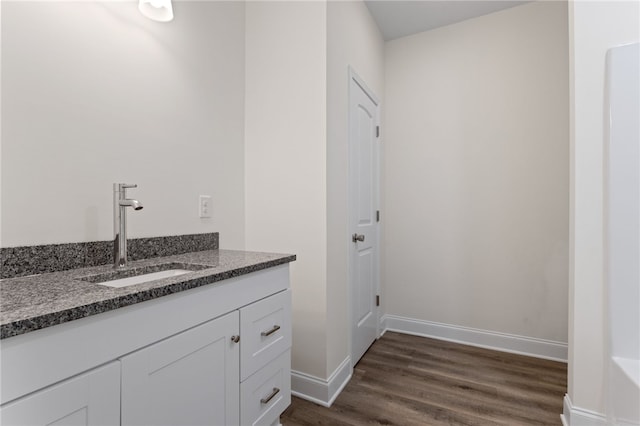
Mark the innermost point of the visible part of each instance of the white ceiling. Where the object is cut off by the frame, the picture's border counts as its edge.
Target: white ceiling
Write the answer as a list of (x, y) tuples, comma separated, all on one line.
[(399, 18)]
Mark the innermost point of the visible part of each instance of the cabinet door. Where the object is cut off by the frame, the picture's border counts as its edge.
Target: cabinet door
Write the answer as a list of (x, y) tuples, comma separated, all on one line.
[(265, 327), (188, 379), (91, 398)]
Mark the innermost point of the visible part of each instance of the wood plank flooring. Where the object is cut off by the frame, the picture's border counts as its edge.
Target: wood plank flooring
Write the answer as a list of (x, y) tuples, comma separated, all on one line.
[(409, 380)]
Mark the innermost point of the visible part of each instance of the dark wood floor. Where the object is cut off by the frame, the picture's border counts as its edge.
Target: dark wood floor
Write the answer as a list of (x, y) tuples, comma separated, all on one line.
[(408, 380)]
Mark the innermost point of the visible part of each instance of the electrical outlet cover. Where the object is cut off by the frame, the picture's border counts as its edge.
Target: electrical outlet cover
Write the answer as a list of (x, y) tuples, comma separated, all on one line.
[(204, 206)]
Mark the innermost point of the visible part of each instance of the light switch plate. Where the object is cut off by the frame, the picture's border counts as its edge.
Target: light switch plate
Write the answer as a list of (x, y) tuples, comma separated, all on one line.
[(204, 206)]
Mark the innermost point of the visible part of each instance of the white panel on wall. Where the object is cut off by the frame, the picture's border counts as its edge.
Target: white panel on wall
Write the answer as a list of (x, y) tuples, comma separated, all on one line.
[(622, 231), (594, 28), (623, 204)]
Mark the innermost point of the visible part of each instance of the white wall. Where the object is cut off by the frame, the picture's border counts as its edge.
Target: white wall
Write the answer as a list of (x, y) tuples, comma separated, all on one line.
[(286, 158), (352, 39), (477, 179), (297, 58), (95, 93), (595, 26)]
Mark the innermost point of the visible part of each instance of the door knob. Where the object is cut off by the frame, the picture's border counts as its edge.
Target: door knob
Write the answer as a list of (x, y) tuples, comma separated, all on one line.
[(357, 237)]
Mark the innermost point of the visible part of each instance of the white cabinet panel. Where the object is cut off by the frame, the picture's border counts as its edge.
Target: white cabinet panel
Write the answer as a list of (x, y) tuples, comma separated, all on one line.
[(267, 393), (265, 327), (188, 379), (92, 398)]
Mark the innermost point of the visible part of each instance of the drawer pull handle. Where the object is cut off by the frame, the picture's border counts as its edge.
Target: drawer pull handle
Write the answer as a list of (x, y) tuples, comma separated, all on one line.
[(235, 339), (270, 332), (270, 397)]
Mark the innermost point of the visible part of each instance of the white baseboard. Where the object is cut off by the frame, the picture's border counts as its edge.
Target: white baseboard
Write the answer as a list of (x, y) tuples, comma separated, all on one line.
[(575, 416), (320, 391), (539, 348)]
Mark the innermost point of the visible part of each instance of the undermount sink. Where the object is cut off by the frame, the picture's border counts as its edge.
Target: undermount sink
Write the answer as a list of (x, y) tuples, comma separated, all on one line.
[(125, 278), (139, 279)]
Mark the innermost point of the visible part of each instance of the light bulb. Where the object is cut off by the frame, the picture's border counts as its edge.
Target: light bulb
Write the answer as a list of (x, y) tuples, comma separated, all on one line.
[(157, 10)]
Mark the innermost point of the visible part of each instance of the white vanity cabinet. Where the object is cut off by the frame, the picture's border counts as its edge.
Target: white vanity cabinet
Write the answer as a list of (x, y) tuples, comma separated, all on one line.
[(93, 398), (214, 355), (194, 377), (187, 379)]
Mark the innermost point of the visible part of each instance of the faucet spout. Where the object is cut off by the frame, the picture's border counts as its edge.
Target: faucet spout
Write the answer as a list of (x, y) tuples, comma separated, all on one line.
[(120, 203), (131, 203)]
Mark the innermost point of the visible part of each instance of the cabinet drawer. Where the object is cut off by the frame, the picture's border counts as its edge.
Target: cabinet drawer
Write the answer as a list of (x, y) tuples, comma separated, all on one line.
[(265, 330), (267, 393)]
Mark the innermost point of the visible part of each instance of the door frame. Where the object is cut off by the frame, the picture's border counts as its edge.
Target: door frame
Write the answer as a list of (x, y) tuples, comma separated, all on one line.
[(355, 78)]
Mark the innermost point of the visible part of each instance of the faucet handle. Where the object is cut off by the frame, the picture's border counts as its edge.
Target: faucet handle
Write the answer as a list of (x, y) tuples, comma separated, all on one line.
[(123, 186)]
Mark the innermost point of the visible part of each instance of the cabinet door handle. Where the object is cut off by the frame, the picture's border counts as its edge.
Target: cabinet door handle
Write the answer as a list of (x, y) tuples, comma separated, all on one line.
[(270, 332), (266, 399), (235, 339)]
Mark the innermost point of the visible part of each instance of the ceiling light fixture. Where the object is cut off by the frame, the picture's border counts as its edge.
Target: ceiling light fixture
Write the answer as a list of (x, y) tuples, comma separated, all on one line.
[(158, 10)]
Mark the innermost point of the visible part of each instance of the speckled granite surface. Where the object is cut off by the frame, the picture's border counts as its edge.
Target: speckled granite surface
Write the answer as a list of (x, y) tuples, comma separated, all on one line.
[(29, 260), (39, 301)]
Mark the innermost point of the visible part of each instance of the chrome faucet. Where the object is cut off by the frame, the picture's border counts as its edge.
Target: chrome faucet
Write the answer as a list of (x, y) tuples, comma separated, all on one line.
[(120, 203)]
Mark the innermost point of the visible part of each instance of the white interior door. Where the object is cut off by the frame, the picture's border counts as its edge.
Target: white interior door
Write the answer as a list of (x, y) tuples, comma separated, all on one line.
[(363, 206)]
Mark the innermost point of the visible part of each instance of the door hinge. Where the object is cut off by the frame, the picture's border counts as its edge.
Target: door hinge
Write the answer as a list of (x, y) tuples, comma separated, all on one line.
[(377, 300), (377, 131), (377, 215)]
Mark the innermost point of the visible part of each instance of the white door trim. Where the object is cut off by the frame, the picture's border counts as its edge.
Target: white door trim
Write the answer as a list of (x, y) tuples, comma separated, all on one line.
[(353, 76)]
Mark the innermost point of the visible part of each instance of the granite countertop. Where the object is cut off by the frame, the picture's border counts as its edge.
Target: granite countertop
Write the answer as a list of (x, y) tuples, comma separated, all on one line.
[(38, 301)]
